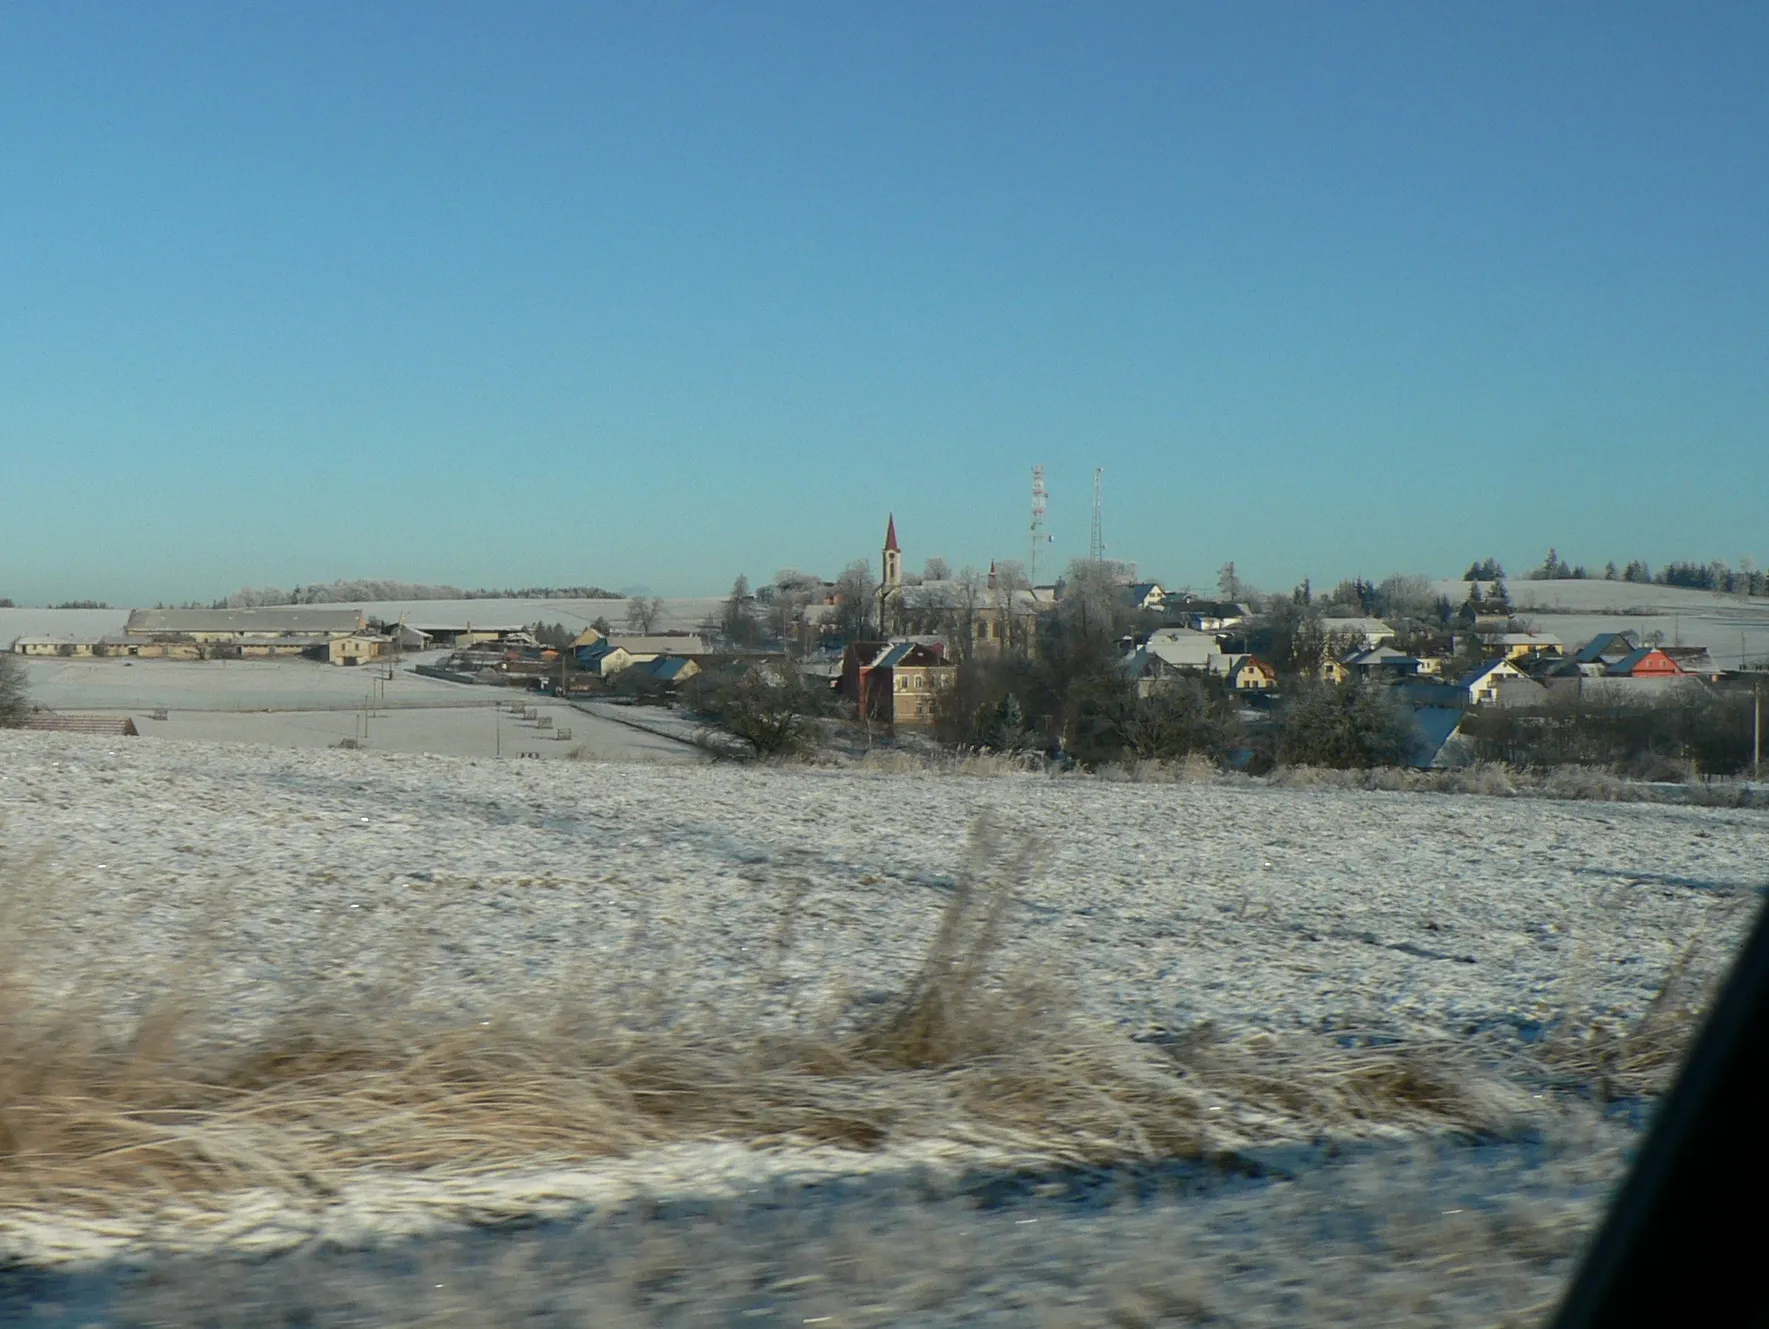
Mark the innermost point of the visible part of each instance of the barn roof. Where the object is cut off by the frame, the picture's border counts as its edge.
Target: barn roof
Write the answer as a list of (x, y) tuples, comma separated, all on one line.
[(277, 619)]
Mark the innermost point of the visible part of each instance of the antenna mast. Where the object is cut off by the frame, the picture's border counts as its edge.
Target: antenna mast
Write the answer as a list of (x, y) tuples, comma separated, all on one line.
[(1040, 504), (1096, 546)]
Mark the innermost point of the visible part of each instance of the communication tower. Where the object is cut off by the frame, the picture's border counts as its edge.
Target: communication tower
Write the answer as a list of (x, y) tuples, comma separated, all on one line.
[(1040, 504), (1096, 545)]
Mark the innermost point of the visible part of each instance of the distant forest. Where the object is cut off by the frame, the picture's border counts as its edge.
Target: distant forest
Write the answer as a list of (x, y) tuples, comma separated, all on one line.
[(1716, 575), (353, 592)]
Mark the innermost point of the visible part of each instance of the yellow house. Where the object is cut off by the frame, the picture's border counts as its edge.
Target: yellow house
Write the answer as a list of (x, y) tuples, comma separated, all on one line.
[(357, 648), (1252, 675)]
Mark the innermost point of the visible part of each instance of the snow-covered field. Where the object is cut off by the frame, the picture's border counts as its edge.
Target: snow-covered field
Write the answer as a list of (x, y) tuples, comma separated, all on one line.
[(1732, 627), (474, 886), (1166, 905), (300, 703)]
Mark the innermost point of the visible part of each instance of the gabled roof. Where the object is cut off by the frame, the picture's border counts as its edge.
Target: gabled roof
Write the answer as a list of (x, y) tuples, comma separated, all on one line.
[(1692, 659), (895, 654), (1624, 667), (1377, 655), (1543, 639), (1474, 676), (1606, 643)]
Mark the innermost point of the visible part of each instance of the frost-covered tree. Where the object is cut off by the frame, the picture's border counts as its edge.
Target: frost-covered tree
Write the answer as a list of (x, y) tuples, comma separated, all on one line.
[(14, 704)]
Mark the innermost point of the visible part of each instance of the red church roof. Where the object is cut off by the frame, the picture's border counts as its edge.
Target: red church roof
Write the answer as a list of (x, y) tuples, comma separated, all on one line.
[(891, 536)]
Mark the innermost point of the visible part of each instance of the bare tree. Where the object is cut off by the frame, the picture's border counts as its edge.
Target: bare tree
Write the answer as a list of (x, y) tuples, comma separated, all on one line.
[(936, 569), (14, 705), (1010, 582), (643, 613), (738, 620), (1093, 603), (856, 600)]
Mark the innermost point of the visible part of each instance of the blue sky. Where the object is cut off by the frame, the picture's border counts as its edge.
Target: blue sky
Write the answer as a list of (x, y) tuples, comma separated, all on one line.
[(657, 294)]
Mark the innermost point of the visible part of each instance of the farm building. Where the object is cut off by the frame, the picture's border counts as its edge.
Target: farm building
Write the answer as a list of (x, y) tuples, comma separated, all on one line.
[(241, 625), (339, 636), (52, 646)]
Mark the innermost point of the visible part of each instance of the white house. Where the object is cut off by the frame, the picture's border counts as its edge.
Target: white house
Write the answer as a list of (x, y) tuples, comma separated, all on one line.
[(1482, 685)]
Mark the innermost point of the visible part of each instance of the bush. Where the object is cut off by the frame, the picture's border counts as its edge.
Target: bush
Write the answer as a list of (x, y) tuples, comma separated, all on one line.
[(1696, 730), (1181, 718), (776, 716), (1344, 727)]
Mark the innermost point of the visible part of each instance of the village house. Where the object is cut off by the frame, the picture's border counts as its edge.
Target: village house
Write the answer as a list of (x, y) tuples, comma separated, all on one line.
[(1252, 675), (1517, 646), (1481, 686), (1646, 662), (1146, 595), (1606, 648), (357, 648), (1208, 615), (602, 659), (896, 682), (1362, 633), (1695, 661), (1383, 661)]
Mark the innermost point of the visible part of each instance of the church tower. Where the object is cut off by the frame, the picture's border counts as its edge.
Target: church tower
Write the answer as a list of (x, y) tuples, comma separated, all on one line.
[(890, 583), (892, 578)]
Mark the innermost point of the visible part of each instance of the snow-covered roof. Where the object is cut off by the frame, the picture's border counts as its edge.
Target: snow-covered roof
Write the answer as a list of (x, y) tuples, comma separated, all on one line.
[(278, 619)]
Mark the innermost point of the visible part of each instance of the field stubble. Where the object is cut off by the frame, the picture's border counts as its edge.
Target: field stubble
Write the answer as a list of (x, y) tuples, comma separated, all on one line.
[(144, 1124), (967, 1053)]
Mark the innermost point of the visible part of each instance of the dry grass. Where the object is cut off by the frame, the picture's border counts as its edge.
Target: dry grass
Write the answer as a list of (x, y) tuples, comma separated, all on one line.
[(1611, 1061), (1492, 779), (975, 762), (1192, 769), (1495, 779), (978, 1049)]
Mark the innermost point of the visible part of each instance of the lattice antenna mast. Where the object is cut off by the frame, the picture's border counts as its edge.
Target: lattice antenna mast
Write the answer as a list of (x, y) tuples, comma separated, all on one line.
[(1040, 505), (1096, 545)]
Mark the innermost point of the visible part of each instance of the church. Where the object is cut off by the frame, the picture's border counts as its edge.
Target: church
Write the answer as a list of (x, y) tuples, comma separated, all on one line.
[(973, 615)]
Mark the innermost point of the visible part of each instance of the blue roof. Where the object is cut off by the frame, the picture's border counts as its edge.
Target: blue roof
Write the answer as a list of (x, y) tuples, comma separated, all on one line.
[(1474, 676), (1433, 726), (666, 667), (1602, 644), (894, 656)]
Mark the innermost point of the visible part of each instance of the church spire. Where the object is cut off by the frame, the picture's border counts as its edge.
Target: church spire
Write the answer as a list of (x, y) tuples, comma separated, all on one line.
[(891, 574)]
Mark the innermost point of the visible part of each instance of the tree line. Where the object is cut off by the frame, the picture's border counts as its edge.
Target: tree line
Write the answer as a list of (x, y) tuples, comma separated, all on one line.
[(1714, 575), (356, 592)]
